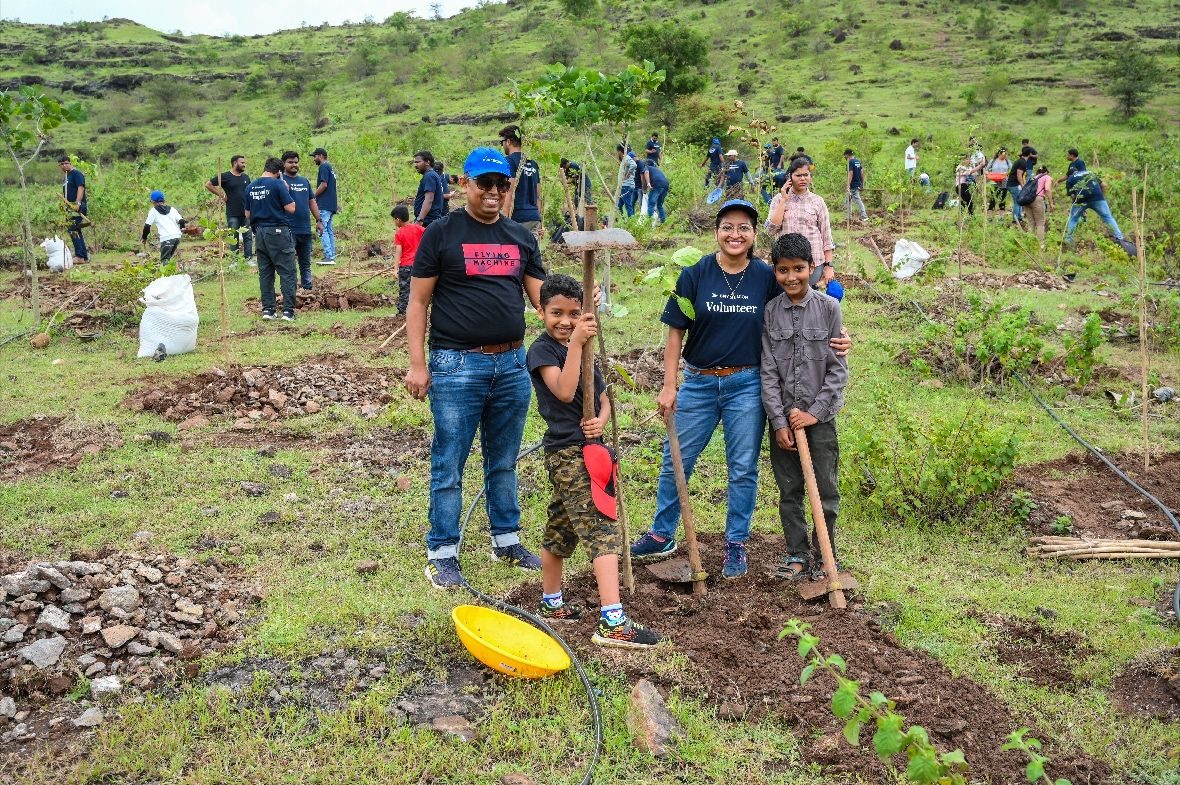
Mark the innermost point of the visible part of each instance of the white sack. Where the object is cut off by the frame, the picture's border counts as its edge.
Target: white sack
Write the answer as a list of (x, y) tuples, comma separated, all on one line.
[(170, 318), (908, 259), (60, 256)]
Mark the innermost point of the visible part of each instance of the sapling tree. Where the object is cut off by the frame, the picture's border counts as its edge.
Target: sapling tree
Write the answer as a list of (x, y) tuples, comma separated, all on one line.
[(26, 118)]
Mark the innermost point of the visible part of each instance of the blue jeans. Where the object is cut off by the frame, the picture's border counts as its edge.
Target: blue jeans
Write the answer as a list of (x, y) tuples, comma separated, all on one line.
[(627, 200), (702, 402), (655, 201), (1017, 210), (303, 258), (1099, 206), (75, 232), (470, 391), (238, 223), (328, 238)]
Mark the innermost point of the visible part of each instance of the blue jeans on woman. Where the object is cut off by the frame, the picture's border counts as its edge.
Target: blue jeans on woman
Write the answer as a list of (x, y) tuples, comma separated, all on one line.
[(734, 401), (1099, 206), (655, 201), (473, 391)]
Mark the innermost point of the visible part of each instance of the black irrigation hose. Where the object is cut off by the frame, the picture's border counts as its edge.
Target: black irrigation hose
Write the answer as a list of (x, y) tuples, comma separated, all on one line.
[(1089, 447), (591, 693)]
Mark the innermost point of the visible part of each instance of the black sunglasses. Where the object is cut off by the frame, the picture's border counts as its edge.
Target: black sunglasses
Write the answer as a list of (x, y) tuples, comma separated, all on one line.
[(486, 182)]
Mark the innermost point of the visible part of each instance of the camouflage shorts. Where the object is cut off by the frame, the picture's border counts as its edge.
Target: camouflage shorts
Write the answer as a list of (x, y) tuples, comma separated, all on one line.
[(572, 514)]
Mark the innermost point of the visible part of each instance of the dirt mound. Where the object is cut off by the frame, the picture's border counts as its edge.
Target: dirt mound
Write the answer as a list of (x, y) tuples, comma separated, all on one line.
[(1098, 504), (42, 444), (386, 450), (268, 392), (1150, 688), (58, 292), (645, 367), (326, 299), (126, 622), (1042, 656), (378, 327), (730, 638)]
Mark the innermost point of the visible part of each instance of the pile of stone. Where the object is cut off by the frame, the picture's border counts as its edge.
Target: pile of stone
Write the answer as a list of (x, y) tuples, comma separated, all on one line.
[(116, 624), (264, 393)]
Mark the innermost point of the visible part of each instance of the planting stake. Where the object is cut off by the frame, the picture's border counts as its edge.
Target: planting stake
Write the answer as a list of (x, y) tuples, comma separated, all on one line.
[(221, 281), (835, 590), (698, 573), (1139, 211), (392, 335), (587, 292)]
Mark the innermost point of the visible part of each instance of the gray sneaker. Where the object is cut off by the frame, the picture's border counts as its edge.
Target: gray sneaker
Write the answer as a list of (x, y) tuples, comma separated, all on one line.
[(444, 573), (518, 556)]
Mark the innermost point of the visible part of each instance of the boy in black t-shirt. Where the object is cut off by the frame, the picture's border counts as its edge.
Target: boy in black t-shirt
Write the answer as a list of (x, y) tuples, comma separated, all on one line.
[(555, 366)]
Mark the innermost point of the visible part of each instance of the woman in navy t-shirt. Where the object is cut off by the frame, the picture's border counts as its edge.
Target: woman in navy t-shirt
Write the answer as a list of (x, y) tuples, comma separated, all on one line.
[(720, 336)]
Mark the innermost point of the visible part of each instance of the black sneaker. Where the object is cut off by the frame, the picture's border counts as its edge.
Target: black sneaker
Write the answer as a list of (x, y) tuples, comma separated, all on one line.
[(288, 317), (268, 315), (567, 611), (444, 573), (649, 549), (628, 635), (518, 556)]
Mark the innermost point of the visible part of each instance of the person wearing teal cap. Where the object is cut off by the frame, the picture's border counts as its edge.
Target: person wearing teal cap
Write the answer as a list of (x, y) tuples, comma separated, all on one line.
[(466, 284), (168, 223)]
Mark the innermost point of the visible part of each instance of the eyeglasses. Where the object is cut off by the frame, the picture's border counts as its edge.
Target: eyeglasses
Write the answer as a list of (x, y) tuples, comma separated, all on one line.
[(740, 228), (486, 182)]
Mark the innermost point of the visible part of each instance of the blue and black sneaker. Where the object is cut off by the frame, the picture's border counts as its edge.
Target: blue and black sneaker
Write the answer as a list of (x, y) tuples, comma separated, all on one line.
[(736, 563), (518, 556), (651, 547), (444, 573)]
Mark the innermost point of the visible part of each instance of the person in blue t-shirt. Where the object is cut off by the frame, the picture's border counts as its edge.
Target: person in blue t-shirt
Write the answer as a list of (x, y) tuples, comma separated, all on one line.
[(268, 205), (74, 193), (736, 170), (578, 182), (776, 154), (305, 208), (713, 161), (855, 184), (325, 196), (642, 184), (653, 150), (429, 201), (659, 185), (1076, 166), (526, 207), (722, 347)]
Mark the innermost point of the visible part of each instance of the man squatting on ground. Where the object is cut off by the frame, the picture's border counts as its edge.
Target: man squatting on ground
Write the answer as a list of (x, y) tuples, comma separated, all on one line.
[(268, 205), (555, 366), (803, 382), (230, 187), (305, 209), (168, 224), (468, 272)]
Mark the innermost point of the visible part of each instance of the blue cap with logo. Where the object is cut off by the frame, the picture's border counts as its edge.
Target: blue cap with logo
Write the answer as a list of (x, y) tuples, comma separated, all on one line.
[(738, 204), (486, 160), (156, 196)]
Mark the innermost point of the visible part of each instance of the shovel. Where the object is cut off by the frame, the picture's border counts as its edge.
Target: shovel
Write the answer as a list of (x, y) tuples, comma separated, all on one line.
[(832, 583), (682, 570)]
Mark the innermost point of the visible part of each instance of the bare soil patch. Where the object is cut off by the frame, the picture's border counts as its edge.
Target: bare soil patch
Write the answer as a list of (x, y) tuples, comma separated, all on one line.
[(43, 444), (386, 450), (738, 664), (126, 622), (374, 329), (1098, 503), (1042, 656), (326, 298), (1150, 688), (255, 393), (1028, 279), (645, 367)]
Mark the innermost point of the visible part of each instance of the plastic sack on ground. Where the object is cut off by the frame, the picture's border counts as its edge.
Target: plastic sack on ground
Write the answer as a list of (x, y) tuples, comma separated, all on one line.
[(908, 259), (60, 256), (170, 317)]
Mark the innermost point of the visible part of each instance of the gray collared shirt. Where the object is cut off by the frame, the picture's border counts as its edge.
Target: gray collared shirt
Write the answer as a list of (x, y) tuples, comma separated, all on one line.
[(800, 370)]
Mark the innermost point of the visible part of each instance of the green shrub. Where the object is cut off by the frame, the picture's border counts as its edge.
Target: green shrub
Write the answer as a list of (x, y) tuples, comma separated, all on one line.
[(1081, 350), (935, 469), (1142, 121)]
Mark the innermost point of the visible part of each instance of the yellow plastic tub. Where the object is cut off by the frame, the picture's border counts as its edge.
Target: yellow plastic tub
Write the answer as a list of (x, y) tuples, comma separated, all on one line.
[(507, 644)]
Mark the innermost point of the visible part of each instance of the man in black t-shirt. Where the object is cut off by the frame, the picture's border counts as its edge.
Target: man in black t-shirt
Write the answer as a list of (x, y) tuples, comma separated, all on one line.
[(1022, 167), (469, 271), (230, 187)]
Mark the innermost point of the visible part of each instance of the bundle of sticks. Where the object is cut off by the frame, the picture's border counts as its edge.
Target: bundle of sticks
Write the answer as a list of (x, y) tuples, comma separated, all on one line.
[(1078, 548)]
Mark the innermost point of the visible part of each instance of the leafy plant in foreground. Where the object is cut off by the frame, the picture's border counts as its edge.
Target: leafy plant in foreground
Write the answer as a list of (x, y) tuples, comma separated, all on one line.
[(1080, 350), (926, 765), (667, 274)]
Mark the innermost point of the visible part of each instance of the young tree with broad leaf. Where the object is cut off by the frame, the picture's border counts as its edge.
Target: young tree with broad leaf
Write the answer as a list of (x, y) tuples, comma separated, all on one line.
[(27, 115)]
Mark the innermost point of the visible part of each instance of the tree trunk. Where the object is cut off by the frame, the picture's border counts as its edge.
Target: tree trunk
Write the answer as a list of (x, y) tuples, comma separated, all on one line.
[(27, 245)]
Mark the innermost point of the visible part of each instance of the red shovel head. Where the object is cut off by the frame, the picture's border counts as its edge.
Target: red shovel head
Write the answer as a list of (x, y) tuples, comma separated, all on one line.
[(603, 468)]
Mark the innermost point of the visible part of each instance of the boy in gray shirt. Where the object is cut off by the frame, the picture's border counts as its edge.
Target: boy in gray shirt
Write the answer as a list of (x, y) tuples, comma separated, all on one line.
[(803, 385)]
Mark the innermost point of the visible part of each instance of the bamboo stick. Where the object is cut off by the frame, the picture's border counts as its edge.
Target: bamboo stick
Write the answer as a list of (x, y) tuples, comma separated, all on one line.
[(1140, 215), (1083, 556)]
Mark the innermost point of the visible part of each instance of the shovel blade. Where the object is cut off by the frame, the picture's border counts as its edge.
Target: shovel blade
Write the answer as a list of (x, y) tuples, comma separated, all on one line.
[(809, 590), (673, 571)]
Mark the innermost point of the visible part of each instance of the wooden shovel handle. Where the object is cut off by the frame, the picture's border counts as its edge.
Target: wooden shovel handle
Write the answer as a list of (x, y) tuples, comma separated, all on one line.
[(835, 592), (690, 527)]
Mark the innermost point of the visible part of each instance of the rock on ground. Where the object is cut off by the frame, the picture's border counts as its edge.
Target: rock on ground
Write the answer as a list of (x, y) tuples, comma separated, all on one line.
[(652, 725)]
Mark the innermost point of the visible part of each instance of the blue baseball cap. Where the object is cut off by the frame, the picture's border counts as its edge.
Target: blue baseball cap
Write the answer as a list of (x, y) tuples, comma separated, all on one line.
[(486, 160), (156, 196), (738, 204)]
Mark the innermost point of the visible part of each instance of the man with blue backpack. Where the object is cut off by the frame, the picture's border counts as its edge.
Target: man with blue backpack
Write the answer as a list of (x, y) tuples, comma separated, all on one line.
[(1086, 193)]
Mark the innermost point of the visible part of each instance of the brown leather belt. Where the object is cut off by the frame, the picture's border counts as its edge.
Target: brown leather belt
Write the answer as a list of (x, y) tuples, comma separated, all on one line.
[(496, 348), (726, 370)]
